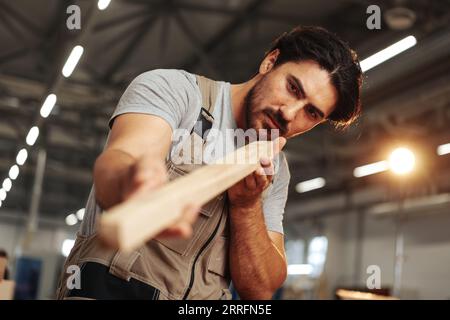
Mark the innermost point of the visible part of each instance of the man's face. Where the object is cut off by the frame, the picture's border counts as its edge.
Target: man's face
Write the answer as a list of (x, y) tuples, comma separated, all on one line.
[(293, 97)]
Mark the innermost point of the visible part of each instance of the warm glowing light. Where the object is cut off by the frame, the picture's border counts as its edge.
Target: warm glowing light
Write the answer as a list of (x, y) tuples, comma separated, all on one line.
[(402, 161)]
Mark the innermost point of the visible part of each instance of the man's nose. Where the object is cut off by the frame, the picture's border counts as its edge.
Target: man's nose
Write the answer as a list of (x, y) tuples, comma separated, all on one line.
[(289, 112)]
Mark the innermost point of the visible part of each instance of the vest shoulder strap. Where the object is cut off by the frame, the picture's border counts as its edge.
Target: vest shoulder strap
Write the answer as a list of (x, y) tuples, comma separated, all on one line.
[(209, 90)]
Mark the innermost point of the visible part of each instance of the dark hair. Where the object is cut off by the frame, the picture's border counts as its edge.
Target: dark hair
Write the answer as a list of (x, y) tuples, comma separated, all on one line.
[(333, 55), (3, 253)]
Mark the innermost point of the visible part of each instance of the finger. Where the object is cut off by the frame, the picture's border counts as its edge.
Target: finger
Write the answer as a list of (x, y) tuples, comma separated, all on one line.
[(265, 161), (144, 179), (261, 179), (267, 166), (181, 229), (269, 170), (190, 213), (250, 182)]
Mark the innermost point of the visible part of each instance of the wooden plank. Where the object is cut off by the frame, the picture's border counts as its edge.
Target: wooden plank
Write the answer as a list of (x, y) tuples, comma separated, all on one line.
[(358, 295), (137, 220)]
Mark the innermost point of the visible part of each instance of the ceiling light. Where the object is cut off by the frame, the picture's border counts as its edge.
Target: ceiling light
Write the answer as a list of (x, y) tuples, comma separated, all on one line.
[(14, 172), (103, 4), (402, 161), (443, 149), (7, 184), (371, 168), (2, 194), (32, 135), (388, 53), (71, 219), (72, 61), (309, 185), (80, 214), (21, 157), (48, 105)]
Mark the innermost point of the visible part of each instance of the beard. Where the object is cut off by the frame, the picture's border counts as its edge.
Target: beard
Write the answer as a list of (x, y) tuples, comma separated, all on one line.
[(256, 116)]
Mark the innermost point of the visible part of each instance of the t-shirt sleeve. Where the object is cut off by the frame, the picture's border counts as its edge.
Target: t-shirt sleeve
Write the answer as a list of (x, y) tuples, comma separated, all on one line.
[(168, 94), (275, 201)]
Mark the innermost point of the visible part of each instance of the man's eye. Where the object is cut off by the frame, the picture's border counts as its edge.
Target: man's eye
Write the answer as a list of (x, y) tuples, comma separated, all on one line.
[(312, 113), (294, 89)]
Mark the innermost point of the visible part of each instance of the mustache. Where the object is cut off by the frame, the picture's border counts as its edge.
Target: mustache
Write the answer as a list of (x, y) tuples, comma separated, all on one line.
[(282, 123)]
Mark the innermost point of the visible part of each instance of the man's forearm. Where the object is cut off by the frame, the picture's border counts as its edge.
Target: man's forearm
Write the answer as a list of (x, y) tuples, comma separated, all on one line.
[(109, 171), (257, 267)]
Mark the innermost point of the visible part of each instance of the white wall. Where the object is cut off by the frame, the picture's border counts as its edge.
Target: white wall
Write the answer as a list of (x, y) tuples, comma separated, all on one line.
[(426, 268)]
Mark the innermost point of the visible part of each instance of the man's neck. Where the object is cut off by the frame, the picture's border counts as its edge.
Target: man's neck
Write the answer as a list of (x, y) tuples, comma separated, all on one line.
[(238, 93)]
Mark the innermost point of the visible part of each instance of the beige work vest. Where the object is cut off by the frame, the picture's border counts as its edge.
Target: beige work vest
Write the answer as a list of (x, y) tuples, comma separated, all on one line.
[(196, 268)]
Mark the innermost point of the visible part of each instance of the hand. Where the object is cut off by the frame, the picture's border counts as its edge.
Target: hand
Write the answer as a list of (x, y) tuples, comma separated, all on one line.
[(247, 192), (147, 174)]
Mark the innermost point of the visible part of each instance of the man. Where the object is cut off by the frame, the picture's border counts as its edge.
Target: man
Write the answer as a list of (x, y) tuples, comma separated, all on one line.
[(309, 76)]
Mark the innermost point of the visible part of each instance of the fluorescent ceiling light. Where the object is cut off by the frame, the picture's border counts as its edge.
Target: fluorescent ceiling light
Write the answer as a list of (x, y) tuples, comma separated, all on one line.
[(67, 247), (2, 194), (80, 214), (71, 219), (443, 149), (371, 168), (14, 172), (103, 4), (22, 157), (32, 136), (388, 53), (309, 185), (48, 105), (300, 269), (7, 184), (72, 61)]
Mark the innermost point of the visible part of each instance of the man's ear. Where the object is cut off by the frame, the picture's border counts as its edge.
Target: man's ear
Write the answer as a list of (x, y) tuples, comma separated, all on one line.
[(269, 61)]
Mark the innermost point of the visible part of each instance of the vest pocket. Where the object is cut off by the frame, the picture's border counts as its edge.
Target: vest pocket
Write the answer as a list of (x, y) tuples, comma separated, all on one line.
[(97, 282), (218, 260), (182, 246), (122, 263)]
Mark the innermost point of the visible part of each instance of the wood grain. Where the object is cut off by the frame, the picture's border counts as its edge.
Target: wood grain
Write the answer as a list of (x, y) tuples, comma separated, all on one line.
[(137, 220)]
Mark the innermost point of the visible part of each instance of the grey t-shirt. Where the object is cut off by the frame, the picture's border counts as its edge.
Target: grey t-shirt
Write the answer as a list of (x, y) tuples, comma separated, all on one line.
[(174, 96)]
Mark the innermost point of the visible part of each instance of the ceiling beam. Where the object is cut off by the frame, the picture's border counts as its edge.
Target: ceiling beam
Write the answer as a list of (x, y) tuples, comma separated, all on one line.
[(241, 18)]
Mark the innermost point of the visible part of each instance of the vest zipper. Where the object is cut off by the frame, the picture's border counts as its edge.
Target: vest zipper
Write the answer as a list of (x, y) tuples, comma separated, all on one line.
[(211, 237)]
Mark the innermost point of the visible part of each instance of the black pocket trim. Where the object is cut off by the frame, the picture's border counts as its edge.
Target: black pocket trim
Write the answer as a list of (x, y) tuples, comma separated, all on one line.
[(98, 283)]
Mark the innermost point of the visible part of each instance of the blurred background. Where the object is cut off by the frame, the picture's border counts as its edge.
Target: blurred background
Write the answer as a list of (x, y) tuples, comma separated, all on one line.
[(368, 208)]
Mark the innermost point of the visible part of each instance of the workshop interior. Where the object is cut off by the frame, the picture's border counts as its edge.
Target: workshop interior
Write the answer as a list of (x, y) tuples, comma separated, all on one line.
[(368, 206)]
